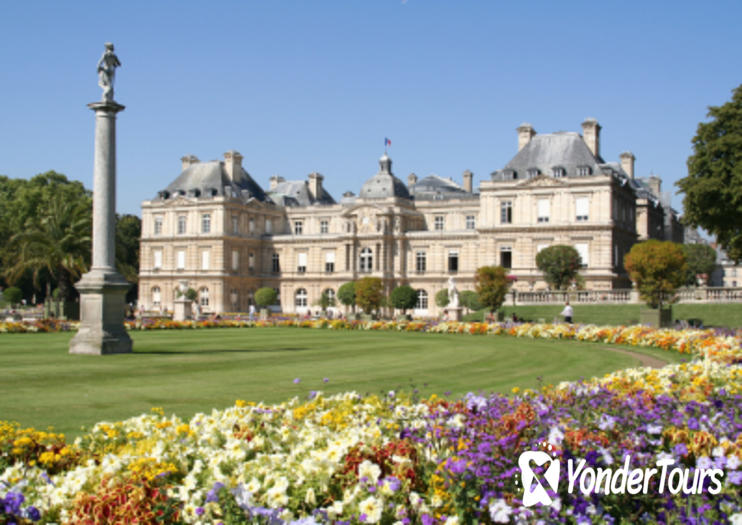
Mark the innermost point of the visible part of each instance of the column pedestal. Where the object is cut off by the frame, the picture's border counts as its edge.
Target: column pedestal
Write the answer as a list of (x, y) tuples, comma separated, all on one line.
[(102, 304)]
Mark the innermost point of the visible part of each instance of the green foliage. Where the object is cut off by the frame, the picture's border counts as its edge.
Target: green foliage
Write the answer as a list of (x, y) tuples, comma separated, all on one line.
[(265, 297), (701, 260), (13, 295), (56, 243), (470, 300), (492, 286), (191, 294), (347, 294), (369, 293), (658, 268), (403, 297), (559, 264), (441, 298), (714, 182), (325, 301)]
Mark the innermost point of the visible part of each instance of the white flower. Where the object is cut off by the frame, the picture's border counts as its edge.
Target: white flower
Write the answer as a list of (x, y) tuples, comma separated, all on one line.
[(555, 436), (736, 519), (732, 463), (371, 507), (309, 498), (370, 471), (453, 520), (500, 511)]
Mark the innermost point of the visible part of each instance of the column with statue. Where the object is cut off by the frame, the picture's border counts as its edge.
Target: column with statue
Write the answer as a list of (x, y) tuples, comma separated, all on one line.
[(103, 289), (453, 308)]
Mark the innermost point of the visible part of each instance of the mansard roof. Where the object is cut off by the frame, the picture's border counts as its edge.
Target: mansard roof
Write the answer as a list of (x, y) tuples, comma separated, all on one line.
[(210, 179), (434, 187), (296, 193)]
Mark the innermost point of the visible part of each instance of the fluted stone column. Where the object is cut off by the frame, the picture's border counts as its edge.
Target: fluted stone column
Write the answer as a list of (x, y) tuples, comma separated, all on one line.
[(103, 289)]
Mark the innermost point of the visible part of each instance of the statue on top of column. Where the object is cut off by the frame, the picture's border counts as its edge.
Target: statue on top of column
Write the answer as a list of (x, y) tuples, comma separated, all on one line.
[(453, 294), (107, 71)]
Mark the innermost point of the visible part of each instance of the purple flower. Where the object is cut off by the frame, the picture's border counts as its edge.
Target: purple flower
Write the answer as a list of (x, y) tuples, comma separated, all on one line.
[(297, 381), (325, 380), (362, 518), (33, 513), (428, 520), (680, 450), (199, 511), (735, 477), (693, 424)]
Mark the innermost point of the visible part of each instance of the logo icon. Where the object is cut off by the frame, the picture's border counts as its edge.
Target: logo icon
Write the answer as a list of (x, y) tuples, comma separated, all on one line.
[(533, 488)]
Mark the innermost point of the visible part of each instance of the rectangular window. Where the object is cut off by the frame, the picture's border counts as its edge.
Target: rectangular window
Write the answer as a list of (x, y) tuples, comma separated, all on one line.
[(453, 261), (235, 260), (275, 263), (268, 226), (235, 224), (206, 223), (506, 257), (205, 256), (470, 222), (506, 212), (251, 225), (251, 262), (298, 227), (329, 262), (301, 264), (582, 206), (181, 224), (180, 259), (438, 221), (158, 225), (157, 256), (543, 210), (421, 262), (582, 249), (323, 226)]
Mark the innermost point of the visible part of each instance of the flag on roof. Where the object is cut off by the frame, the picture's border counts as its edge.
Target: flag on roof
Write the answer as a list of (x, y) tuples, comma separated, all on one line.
[(387, 142)]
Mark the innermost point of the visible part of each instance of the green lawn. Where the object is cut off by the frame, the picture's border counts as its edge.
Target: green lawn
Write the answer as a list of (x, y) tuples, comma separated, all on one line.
[(727, 315), (196, 370)]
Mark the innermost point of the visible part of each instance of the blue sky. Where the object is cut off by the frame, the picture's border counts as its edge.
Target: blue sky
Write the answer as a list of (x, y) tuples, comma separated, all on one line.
[(306, 86)]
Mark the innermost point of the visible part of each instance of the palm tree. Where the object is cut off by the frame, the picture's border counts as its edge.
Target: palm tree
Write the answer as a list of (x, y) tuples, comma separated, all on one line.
[(54, 245)]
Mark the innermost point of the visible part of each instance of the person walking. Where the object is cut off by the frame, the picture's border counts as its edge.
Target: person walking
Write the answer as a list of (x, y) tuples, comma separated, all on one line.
[(567, 313)]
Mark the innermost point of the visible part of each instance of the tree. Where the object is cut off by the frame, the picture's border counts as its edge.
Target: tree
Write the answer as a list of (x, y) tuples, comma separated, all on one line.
[(403, 297), (701, 260), (265, 297), (12, 295), (492, 286), (369, 293), (347, 294), (325, 301), (658, 268), (559, 263), (128, 233), (55, 244), (470, 300), (714, 181), (441, 298)]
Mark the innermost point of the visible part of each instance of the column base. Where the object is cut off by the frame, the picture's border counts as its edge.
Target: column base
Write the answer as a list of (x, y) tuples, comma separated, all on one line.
[(102, 308)]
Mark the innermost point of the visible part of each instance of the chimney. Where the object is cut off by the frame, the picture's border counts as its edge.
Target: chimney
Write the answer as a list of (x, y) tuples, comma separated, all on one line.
[(315, 185), (655, 184), (468, 176), (411, 180), (525, 134), (591, 135), (275, 180), (188, 160), (627, 163), (233, 165)]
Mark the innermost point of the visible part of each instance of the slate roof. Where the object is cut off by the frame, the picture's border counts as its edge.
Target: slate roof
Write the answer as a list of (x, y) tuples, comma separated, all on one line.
[(564, 149), (384, 184), (434, 187), (209, 179), (296, 193)]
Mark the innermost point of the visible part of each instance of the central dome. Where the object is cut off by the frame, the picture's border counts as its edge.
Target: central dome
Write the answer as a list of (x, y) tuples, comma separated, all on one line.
[(384, 184)]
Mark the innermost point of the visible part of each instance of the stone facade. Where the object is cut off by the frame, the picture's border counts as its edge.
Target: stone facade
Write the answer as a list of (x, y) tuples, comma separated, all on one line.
[(217, 229)]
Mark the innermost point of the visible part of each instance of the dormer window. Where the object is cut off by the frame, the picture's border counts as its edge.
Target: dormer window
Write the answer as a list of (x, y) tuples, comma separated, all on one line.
[(532, 172), (510, 174), (584, 171), (558, 172)]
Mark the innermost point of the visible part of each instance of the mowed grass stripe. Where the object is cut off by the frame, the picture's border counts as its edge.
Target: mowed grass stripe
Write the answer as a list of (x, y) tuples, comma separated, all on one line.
[(194, 371)]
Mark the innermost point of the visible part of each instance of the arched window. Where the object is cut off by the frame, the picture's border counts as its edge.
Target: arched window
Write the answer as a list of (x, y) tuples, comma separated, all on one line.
[(301, 298), (366, 261), (156, 296), (234, 298), (422, 300), (203, 297)]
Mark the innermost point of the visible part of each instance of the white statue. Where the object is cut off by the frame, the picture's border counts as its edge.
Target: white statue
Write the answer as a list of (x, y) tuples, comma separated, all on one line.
[(453, 294), (107, 71)]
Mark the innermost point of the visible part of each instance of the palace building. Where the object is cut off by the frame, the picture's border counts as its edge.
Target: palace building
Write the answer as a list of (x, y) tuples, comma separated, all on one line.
[(216, 230)]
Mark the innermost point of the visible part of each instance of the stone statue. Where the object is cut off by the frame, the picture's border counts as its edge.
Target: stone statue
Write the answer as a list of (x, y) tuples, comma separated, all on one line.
[(453, 294), (107, 71)]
